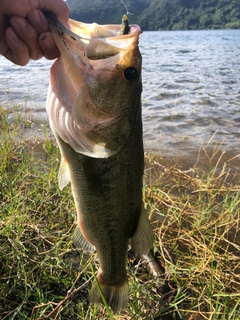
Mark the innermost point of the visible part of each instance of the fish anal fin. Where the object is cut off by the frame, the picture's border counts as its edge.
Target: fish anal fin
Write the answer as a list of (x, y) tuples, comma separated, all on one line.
[(142, 240), (81, 242), (116, 296), (63, 174)]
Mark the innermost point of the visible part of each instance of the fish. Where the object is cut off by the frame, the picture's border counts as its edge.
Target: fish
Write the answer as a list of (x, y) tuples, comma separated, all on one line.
[(94, 109)]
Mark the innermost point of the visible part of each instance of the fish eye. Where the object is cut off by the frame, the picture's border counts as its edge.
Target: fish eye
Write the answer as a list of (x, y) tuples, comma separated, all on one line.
[(130, 73)]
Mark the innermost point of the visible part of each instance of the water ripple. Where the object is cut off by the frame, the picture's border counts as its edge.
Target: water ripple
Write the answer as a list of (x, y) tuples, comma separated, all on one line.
[(191, 89)]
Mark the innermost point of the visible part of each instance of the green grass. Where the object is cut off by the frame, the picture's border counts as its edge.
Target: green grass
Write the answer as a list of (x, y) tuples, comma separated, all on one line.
[(195, 216)]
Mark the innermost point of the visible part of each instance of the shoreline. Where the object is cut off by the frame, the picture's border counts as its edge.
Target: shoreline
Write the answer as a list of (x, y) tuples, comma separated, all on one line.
[(205, 158)]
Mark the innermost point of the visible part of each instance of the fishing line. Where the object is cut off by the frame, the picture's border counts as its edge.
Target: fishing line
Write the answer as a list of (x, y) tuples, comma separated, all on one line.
[(126, 8)]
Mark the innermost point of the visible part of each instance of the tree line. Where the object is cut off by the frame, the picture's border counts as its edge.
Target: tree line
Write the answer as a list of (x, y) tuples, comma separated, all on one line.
[(161, 14)]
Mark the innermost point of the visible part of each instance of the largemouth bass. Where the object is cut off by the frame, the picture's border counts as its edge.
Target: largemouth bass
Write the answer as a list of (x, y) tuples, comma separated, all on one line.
[(94, 107)]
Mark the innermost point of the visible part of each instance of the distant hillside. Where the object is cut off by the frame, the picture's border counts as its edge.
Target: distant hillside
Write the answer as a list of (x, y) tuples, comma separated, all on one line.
[(106, 11), (191, 15), (161, 14)]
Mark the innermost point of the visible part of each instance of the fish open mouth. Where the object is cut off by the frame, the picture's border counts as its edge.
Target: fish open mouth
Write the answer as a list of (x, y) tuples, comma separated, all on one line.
[(93, 36), (95, 85)]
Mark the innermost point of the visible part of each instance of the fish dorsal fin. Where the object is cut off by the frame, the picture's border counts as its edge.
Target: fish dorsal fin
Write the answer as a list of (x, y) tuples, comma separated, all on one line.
[(81, 242), (63, 174)]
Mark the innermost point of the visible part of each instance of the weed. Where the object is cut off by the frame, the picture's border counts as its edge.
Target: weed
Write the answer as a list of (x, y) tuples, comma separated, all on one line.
[(195, 217)]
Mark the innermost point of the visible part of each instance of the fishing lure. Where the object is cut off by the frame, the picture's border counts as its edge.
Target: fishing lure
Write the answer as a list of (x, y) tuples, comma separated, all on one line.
[(125, 25)]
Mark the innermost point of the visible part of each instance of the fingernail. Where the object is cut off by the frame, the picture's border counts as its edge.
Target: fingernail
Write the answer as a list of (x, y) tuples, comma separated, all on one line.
[(11, 34), (35, 16), (19, 21)]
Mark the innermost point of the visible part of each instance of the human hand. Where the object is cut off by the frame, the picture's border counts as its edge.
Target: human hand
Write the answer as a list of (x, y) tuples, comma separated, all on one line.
[(24, 30)]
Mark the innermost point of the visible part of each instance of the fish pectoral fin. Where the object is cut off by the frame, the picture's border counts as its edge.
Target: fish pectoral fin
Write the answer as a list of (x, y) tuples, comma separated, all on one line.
[(142, 240), (81, 242), (63, 174)]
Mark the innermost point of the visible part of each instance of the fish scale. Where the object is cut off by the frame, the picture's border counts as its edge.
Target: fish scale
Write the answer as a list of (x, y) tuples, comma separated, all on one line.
[(94, 109)]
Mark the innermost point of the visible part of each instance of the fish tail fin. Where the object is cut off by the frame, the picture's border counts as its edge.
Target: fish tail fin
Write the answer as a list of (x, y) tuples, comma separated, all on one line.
[(143, 238), (116, 296)]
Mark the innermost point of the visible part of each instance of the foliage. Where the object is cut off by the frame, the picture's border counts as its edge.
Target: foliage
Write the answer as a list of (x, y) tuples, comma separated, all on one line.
[(191, 14), (161, 14)]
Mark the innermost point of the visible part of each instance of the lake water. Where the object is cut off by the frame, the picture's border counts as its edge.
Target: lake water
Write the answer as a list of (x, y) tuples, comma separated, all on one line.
[(191, 95)]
